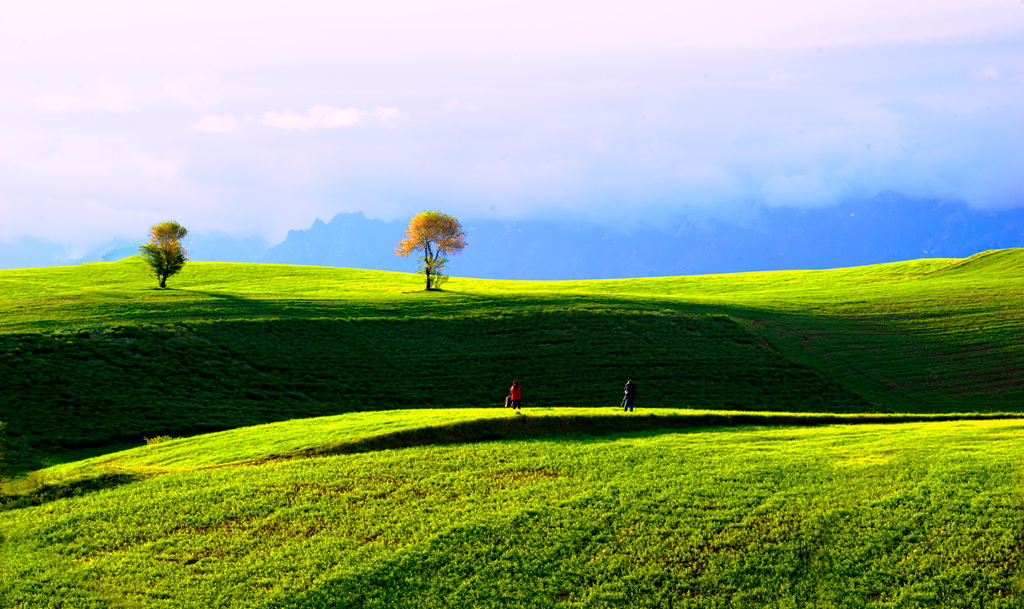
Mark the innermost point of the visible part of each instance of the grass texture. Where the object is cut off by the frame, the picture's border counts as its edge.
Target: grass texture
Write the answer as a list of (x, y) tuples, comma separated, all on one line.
[(92, 356), (836, 438), (907, 515)]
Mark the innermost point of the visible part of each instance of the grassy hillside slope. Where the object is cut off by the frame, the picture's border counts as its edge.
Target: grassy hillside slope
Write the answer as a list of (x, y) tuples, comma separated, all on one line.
[(93, 355), (901, 515)]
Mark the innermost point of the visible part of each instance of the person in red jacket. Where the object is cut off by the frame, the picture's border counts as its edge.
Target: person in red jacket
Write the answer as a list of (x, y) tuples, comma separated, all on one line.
[(516, 393)]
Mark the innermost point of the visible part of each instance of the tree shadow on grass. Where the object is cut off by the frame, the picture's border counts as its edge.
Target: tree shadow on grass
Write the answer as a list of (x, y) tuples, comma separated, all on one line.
[(40, 492)]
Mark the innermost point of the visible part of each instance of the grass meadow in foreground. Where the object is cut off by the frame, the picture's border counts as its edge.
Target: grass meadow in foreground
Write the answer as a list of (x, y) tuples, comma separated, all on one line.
[(898, 515)]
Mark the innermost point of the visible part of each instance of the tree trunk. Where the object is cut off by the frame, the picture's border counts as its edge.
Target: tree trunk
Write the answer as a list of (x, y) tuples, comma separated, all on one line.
[(428, 261)]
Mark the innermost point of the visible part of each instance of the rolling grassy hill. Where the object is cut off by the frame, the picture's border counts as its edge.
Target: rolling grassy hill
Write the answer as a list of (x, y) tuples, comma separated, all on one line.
[(320, 513), (91, 356), (850, 445)]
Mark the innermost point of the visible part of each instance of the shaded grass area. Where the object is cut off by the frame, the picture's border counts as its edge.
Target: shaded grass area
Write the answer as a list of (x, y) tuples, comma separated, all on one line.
[(92, 356), (102, 387), (906, 515), (36, 490)]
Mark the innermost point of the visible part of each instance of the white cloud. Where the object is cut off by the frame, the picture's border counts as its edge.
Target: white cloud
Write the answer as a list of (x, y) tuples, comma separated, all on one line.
[(538, 118), (798, 190), (216, 123), (988, 73), (286, 120), (455, 104), (328, 117), (81, 189), (106, 95), (109, 95), (194, 33), (191, 90), (325, 117)]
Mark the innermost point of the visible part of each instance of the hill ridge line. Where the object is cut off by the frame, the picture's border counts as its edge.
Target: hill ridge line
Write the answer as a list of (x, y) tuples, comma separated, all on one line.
[(966, 261), (524, 428)]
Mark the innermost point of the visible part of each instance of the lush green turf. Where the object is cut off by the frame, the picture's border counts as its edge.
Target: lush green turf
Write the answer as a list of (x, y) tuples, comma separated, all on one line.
[(900, 515), (93, 355), (733, 505), (393, 429)]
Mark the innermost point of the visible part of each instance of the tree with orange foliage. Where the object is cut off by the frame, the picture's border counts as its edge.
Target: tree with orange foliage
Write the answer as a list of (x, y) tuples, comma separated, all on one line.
[(164, 253), (437, 235)]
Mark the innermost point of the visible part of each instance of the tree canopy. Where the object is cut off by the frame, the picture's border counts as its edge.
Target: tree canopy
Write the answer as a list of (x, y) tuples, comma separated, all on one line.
[(164, 253), (437, 236)]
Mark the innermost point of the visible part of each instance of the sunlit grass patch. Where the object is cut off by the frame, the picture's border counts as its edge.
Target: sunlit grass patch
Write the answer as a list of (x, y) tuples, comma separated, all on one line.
[(93, 355), (778, 516)]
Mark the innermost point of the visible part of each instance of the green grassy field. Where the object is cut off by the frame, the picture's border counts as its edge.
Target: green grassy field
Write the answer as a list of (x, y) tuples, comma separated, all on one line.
[(93, 356), (830, 438), (328, 513)]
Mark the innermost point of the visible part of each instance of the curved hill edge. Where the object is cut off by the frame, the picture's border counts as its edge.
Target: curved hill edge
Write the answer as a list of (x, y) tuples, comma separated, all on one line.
[(1008, 257), (319, 436), (528, 427), (137, 464), (85, 351)]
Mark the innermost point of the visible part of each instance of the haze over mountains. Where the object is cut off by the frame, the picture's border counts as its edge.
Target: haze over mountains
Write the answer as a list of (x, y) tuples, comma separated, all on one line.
[(883, 228)]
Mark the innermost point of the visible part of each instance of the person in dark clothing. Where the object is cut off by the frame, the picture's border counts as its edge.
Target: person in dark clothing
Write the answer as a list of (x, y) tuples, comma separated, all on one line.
[(516, 393), (629, 399)]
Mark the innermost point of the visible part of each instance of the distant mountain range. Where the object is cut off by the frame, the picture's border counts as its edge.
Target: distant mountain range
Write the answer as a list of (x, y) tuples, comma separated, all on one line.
[(213, 247), (883, 228)]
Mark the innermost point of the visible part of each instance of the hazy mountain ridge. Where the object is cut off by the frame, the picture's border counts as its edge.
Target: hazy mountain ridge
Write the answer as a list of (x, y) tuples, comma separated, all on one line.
[(210, 247), (884, 228)]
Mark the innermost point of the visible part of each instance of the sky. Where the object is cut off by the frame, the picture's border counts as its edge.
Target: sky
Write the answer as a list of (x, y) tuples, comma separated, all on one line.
[(256, 117)]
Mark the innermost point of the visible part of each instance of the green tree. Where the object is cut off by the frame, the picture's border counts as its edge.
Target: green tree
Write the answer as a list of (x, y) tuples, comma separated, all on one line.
[(437, 236), (164, 253)]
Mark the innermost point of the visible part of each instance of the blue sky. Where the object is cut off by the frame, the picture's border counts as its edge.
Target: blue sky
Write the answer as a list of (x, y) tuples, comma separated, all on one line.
[(258, 117)]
